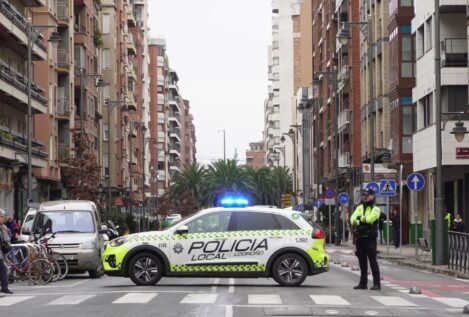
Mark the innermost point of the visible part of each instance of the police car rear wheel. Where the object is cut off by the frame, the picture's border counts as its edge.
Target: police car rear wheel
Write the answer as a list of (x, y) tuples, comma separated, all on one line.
[(290, 270), (145, 269)]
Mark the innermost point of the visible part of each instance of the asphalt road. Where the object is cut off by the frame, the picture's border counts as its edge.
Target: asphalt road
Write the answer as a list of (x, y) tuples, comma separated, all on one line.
[(328, 294)]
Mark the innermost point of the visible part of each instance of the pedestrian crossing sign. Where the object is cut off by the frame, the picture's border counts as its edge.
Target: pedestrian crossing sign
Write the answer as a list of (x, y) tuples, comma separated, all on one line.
[(387, 187)]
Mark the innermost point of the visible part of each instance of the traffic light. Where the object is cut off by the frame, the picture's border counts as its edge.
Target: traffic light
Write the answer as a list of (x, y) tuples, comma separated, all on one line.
[(286, 200)]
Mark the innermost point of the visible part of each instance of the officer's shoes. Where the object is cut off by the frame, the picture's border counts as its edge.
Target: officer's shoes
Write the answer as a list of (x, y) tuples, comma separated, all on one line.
[(360, 287), (7, 291), (375, 288)]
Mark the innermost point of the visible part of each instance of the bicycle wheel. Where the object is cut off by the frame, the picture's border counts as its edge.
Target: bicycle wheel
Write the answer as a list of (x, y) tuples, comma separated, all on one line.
[(63, 264), (41, 272), (57, 267)]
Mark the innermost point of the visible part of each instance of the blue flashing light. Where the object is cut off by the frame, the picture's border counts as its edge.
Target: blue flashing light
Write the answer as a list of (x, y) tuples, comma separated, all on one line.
[(234, 202)]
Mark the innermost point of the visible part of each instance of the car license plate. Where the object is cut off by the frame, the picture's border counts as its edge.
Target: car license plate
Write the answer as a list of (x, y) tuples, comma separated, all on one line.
[(70, 257)]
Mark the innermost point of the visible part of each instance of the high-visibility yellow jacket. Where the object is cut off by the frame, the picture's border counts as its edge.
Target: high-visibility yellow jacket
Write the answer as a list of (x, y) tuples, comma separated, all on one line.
[(448, 218), (365, 220)]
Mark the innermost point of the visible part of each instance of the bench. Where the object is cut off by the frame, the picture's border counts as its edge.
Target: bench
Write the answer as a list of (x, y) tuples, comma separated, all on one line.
[(424, 248)]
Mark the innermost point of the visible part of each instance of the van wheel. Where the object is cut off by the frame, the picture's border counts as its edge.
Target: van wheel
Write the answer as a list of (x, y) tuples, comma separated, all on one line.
[(96, 273), (290, 270), (145, 269)]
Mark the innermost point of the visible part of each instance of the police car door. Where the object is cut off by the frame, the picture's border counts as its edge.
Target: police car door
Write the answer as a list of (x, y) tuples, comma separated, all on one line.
[(205, 244), (257, 237)]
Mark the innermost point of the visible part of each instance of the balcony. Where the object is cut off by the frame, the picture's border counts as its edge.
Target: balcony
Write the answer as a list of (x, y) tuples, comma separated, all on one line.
[(133, 132), (131, 44), (454, 52), (62, 110), (63, 61), (173, 133), (160, 61), (174, 116), (133, 159), (131, 102), (15, 34), (343, 120), (63, 14), (131, 72), (130, 15), (63, 151), (33, 3), (14, 85), (344, 159)]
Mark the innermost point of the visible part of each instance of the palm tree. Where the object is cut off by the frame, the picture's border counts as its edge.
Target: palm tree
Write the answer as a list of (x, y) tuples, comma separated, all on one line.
[(281, 180), (226, 176), (261, 179), (192, 179)]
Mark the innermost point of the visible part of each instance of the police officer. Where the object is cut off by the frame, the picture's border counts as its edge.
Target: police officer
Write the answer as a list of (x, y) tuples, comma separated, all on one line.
[(365, 221), (4, 239)]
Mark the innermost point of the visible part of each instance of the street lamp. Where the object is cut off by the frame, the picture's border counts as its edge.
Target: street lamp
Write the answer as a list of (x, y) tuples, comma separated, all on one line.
[(33, 35), (282, 150), (344, 37), (224, 144), (292, 135), (304, 107), (459, 131)]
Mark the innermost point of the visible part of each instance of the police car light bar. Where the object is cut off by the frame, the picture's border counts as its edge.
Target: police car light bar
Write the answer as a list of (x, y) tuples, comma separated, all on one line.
[(234, 202)]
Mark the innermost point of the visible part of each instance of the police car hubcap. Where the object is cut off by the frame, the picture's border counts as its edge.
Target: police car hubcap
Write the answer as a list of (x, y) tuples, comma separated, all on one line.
[(290, 270), (144, 269)]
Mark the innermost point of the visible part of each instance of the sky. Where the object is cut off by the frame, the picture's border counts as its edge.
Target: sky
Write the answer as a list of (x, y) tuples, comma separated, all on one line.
[(219, 50)]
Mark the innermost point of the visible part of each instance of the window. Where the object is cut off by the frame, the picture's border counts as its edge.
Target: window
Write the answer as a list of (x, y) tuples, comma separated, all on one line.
[(420, 42), (106, 58), (406, 3), (407, 64), (246, 221), (79, 56), (428, 35), (407, 129), (457, 98), (106, 24), (105, 132), (427, 103), (276, 108), (277, 140), (106, 165), (277, 124), (214, 222), (285, 223)]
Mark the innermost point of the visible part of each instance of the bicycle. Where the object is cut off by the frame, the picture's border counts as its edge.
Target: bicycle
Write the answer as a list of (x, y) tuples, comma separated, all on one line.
[(58, 260)]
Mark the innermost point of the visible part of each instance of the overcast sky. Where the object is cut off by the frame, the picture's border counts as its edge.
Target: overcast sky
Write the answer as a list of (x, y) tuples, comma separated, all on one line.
[(219, 50)]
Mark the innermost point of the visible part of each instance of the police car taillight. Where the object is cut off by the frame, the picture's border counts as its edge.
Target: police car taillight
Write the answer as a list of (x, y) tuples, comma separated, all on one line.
[(319, 234)]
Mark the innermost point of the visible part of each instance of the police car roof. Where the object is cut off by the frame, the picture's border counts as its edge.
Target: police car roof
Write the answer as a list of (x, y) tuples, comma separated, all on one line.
[(67, 205), (250, 209)]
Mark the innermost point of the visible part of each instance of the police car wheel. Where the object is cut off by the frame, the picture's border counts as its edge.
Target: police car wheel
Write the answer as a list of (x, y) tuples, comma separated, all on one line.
[(145, 269), (290, 270)]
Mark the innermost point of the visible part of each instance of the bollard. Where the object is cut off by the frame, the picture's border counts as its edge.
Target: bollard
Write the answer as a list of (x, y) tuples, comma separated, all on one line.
[(415, 290), (344, 264), (355, 268), (466, 310)]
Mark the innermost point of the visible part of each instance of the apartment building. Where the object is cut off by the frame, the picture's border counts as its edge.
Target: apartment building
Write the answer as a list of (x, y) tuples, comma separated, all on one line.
[(189, 149), (454, 96), (255, 156), (14, 17), (175, 127)]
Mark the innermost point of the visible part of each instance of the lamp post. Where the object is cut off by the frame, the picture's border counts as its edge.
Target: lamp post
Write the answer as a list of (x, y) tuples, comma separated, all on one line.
[(304, 108), (292, 135), (32, 37), (132, 125), (224, 144), (111, 104), (282, 150), (344, 37)]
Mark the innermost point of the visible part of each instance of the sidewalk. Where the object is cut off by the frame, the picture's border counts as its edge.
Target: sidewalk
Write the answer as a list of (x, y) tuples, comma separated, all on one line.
[(406, 257)]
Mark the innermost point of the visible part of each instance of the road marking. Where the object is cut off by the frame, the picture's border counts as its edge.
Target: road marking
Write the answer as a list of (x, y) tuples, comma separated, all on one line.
[(70, 300), (406, 291), (392, 301), (199, 299), (11, 300), (399, 288), (229, 311), (135, 298), (214, 287), (109, 292), (452, 302), (50, 286), (231, 288), (329, 300), (271, 299)]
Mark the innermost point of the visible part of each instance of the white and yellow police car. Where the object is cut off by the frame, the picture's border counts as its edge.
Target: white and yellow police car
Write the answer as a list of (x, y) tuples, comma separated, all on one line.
[(229, 241)]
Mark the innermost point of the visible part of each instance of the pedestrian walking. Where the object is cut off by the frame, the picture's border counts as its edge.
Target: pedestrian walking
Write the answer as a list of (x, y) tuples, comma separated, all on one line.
[(365, 221), (458, 224), (396, 228), (4, 244), (382, 218)]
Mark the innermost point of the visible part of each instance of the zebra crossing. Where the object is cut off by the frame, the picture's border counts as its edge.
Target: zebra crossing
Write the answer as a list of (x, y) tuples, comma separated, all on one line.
[(392, 300)]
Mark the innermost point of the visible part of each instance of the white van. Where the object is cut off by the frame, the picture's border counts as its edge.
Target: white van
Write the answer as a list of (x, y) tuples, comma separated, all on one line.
[(79, 236)]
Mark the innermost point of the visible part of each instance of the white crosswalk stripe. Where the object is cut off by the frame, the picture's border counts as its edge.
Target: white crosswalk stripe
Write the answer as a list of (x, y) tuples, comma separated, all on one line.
[(11, 300), (452, 302), (393, 301), (135, 298), (329, 300), (70, 300), (199, 299), (264, 299)]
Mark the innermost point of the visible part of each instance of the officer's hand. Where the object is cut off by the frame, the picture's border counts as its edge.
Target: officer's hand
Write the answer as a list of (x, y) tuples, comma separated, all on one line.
[(363, 219)]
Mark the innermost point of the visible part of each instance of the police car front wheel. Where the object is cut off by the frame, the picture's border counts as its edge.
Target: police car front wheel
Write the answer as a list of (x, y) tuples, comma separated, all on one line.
[(290, 270), (145, 269)]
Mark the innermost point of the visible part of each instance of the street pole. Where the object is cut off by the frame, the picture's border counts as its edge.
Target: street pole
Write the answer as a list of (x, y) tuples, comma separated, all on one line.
[(336, 141), (439, 239), (400, 208), (143, 180), (371, 92), (30, 116), (109, 192), (82, 104), (224, 146), (387, 226), (130, 169)]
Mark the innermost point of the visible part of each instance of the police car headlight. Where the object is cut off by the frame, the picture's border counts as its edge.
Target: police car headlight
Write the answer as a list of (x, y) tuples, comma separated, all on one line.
[(119, 241), (88, 245)]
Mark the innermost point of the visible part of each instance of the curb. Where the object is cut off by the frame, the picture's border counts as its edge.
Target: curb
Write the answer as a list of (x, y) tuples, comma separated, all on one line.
[(433, 269)]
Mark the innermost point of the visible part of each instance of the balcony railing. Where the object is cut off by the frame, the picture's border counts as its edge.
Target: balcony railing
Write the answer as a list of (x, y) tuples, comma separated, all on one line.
[(63, 151), (62, 58), (344, 159), (63, 107), (343, 120), (454, 52), (62, 11)]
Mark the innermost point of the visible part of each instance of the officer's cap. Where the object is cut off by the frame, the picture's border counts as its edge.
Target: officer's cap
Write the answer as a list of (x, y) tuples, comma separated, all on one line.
[(369, 191)]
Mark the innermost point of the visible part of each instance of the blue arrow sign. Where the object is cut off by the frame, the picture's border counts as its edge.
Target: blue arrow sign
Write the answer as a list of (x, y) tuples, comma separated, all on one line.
[(373, 186), (344, 198), (415, 182), (318, 203), (387, 187)]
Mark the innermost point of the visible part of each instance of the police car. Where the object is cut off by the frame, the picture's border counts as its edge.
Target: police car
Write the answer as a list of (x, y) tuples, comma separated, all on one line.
[(229, 241)]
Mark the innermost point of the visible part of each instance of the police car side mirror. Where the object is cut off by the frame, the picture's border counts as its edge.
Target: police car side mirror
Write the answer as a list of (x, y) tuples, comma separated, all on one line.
[(182, 230)]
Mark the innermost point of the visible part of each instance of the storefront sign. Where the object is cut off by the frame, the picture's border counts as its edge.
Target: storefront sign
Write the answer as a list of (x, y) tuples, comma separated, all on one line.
[(118, 201), (462, 153)]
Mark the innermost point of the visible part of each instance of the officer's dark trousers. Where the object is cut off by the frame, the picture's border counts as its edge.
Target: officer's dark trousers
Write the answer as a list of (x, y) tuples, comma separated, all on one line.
[(3, 276), (366, 251)]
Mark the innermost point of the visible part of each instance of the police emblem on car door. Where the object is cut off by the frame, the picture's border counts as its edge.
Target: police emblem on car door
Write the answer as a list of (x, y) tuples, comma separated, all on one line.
[(206, 245)]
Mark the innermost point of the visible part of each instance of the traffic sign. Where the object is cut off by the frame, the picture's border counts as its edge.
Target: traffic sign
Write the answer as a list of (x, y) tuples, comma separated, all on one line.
[(387, 187), (415, 182), (344, 198), (318, 203), (373, 186), (330, 193)]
